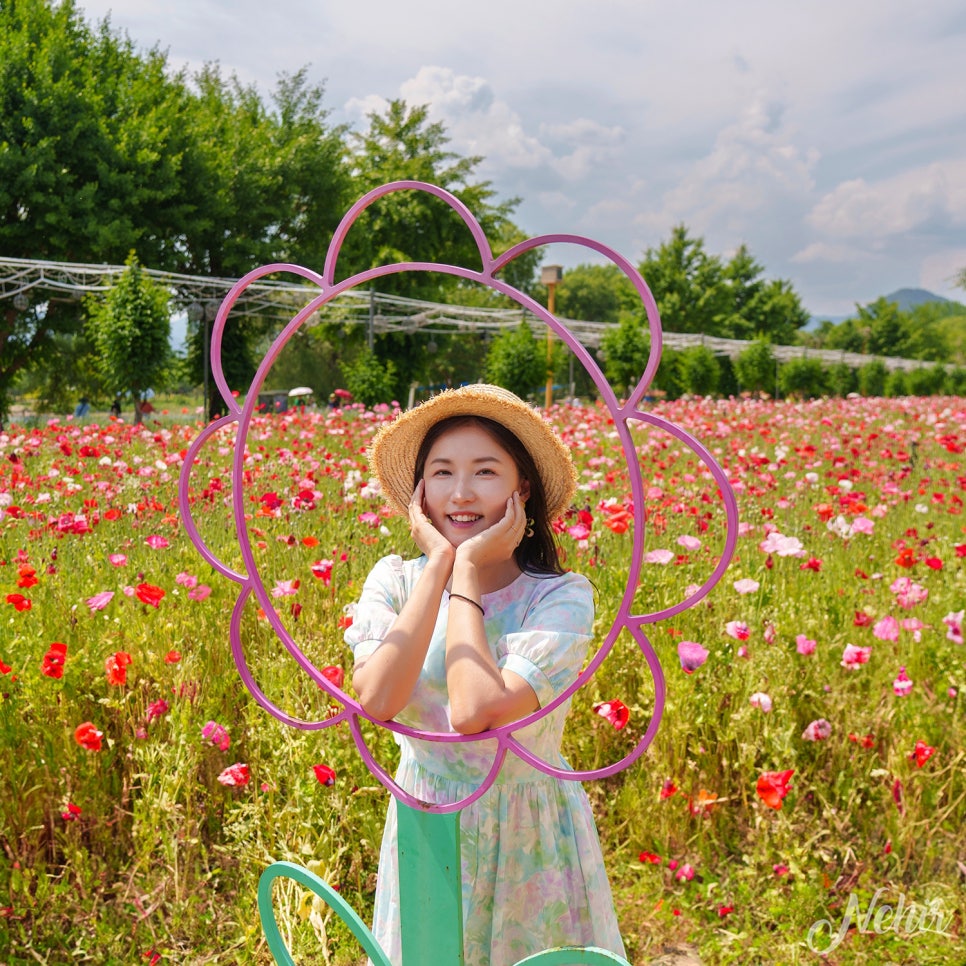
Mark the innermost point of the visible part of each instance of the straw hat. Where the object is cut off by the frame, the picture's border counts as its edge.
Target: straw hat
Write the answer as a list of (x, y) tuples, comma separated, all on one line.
[(394, 447)]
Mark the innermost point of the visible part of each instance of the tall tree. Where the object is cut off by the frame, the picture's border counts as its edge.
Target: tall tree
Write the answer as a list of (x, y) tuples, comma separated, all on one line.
[(92, 135), (688, 284), (130, 328), (402, 144), (760, 308)]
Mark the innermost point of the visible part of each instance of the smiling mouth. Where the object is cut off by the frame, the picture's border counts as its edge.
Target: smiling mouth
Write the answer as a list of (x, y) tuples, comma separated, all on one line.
[(464, 518)]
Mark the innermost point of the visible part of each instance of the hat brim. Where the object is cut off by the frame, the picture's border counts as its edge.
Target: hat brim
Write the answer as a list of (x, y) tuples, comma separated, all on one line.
[(396, 445)]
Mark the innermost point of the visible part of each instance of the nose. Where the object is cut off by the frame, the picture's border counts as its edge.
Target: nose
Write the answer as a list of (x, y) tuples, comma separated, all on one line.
[(462, 491)]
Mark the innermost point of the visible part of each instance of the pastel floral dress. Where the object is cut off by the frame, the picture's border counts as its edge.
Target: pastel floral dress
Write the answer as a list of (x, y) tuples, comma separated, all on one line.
[(533, 873)]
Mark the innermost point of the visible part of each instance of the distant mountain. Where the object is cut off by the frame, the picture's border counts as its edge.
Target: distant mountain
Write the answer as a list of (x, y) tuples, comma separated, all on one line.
[(909, 298)]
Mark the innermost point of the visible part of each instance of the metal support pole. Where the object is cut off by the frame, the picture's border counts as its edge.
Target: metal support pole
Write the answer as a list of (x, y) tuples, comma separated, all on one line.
[(430, 887), (551, 291)]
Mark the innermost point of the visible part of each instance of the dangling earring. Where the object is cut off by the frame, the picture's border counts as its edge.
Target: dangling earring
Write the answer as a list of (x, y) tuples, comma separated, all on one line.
[(529, 530)]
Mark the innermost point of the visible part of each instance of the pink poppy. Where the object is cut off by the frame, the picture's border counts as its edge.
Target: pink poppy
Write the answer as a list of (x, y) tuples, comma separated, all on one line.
[(853, 656), (216, 734), (739, 630), (186, 580), (954, 623), (689, 543), (691, 655), (157, 542), (201, 592), (659, 557), (902, 684), (236, 774), (100, 601), (118, 559), (886, 629), (817, 730), (804, 645), (746, 585), (285, 588), (761, 700)]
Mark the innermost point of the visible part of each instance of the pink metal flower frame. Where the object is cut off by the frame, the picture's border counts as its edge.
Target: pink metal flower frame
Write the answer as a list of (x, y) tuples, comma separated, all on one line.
[(251, 584)]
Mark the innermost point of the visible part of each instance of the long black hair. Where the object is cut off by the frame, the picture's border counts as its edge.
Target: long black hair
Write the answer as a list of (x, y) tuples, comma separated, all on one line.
[(536, 554)]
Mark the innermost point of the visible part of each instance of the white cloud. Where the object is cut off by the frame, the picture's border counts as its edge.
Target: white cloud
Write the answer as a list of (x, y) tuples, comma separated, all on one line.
[(754, 166), (929, 197)]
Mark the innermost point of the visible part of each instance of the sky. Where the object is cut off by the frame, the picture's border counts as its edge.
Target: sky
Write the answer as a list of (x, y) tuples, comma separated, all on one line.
[(829, 136)]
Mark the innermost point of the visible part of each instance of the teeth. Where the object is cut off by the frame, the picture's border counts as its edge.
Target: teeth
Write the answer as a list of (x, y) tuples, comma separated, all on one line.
[(464, 517)]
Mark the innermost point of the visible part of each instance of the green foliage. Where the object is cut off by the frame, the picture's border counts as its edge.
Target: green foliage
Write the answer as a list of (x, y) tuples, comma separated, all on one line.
[(934, 331), (370, 379), (596, 293), (687, 283), (625, 349), (755, 368), (802, 378), (698, 292), (872, 378), (699, 370), (896, 384), (130, 329), (926, 380), (842, 379), (517, 361)]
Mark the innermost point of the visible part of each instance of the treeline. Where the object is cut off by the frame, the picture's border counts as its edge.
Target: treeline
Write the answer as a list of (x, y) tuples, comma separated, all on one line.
[(108, 155), (106, 151), (756, 371)]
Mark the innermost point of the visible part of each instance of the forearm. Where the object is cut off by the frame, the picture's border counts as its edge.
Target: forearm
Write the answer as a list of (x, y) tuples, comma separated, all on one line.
[(480, 697), (384, 682)]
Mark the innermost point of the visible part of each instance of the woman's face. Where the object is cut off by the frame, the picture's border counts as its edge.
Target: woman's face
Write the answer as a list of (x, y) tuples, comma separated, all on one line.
[(468, 478)]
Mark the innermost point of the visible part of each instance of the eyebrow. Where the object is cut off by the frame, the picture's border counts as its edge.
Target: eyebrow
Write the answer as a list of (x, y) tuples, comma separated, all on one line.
[(479, 459)]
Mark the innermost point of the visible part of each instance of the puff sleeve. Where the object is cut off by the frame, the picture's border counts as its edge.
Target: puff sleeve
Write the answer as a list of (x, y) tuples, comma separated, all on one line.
[(550, 647), (383, 595)]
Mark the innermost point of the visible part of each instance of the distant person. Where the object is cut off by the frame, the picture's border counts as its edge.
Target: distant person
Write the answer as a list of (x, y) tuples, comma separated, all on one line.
[(83, 407), (116, 406)]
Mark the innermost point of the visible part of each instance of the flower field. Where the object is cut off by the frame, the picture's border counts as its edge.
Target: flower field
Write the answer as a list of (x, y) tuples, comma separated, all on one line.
[(812, 746)]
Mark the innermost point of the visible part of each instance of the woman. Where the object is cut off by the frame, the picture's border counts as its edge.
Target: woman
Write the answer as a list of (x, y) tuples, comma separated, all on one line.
[(482, 629)]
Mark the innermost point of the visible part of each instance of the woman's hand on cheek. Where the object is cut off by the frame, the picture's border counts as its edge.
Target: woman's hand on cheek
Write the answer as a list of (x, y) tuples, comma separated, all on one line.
[(497, 543), (429, 540)]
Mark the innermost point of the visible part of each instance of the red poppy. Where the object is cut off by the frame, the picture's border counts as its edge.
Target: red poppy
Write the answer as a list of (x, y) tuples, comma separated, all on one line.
[(172, 657), (906, 558), (334, 674), (87, 736), (19, 601), (116, 667), (616, 712), (668, 789), (324, 774), (813, 563), (773, 787), (922, 753), (70, 812), (149, 594), (26, 577), (650, 857), (54, 659), (825, 511), (934, 563)]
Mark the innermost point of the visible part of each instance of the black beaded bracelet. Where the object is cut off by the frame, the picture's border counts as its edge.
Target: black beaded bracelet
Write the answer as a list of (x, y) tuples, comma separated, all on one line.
[(469, 600)]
